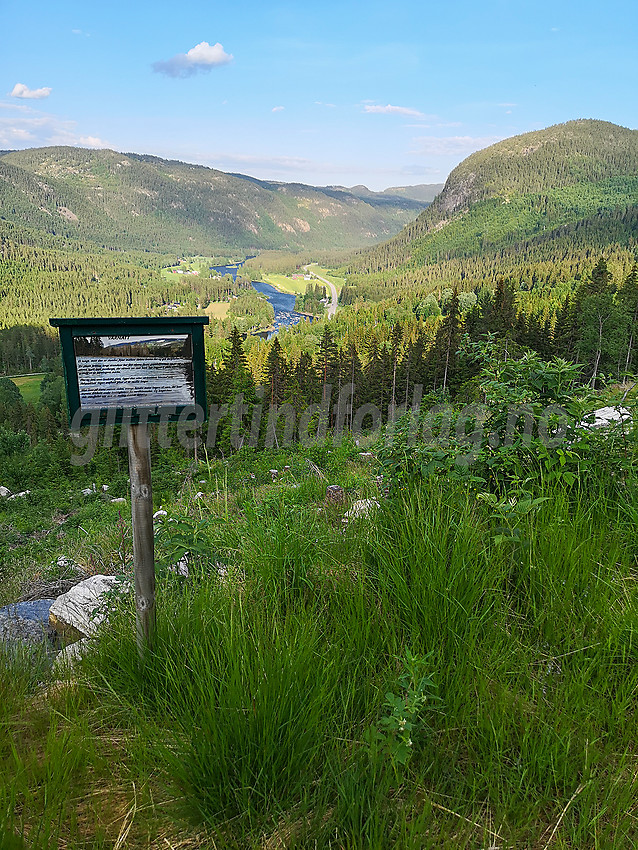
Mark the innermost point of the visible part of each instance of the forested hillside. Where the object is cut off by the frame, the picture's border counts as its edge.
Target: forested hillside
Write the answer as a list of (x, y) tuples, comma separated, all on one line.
[(544, 197), (130, 201)]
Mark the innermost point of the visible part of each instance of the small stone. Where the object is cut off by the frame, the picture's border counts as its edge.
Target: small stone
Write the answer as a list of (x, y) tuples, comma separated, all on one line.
[(120, 501), (5, 492), (105, 488), (274, 474), (181, 567), (19, 495), (335, 495), (64, 563), (361, 509), (71, 654)]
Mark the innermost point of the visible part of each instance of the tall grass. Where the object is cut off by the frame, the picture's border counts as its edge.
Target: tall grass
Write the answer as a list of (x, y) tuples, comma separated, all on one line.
[(259, 709)]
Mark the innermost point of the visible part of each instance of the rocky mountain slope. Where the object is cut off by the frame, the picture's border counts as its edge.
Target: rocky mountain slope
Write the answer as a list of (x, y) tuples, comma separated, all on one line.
[(525, 193), (136, 202)]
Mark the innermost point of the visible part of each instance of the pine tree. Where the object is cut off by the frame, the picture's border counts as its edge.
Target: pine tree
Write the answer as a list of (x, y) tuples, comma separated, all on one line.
[(353, 374)]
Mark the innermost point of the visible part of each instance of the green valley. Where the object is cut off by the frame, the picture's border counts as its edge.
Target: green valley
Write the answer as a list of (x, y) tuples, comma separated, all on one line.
[(396, 568)]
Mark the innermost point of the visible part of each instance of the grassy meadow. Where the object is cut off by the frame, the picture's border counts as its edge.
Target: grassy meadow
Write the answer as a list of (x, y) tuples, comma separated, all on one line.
[(328, 274), (29, 386), (445, 673), (285, 283)]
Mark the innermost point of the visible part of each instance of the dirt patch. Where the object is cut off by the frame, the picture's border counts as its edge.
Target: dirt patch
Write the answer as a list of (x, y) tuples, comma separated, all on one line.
[(66, 213)]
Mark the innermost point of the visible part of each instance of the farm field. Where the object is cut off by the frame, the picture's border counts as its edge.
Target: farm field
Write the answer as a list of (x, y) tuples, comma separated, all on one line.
[(217, 309)]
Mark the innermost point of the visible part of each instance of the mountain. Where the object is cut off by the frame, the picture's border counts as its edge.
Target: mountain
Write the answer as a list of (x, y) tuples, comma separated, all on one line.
[(423, 193), (137, 202), (539, 197)]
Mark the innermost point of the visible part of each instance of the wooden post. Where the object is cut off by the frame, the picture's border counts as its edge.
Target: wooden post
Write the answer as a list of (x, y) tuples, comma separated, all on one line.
[(139, 458)]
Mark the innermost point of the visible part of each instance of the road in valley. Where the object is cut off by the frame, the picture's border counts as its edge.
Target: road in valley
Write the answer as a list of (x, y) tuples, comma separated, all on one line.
[(332, 307)]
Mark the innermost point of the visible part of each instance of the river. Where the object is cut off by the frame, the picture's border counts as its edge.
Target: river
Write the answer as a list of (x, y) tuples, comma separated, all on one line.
[(282, 302)]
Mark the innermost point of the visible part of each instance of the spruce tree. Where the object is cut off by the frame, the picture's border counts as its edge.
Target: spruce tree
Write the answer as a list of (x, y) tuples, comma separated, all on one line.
[(443, 354), (327, 363), (276, 377)]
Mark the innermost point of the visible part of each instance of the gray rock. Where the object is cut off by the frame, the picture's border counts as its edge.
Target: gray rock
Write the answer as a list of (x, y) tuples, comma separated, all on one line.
[(66, 659), (5, 492), (19, 495), (181, 567), (26, 622), (120, 501), (335, 495)]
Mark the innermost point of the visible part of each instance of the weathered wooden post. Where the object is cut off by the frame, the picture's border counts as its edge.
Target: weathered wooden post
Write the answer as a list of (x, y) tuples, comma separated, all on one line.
[(135, 371), (139, 461)]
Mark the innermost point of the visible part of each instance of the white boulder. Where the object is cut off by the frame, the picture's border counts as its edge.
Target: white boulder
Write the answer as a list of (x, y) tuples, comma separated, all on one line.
[(362, 508), (5, 492), (81, 608), (606, 416)]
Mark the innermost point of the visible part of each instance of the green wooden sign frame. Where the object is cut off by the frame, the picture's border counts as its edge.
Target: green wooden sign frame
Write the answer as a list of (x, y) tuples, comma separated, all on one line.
[(162, 326)]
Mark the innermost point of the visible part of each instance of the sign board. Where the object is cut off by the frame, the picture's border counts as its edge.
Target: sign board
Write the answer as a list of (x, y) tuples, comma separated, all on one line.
[(133, 370)]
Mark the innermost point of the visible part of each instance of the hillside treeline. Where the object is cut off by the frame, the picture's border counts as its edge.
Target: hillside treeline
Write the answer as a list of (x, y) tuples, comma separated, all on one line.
[(37, 283), (596, 328)]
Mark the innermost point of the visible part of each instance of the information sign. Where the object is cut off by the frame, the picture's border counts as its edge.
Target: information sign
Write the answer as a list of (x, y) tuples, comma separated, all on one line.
[(129, 369), (135, 371)]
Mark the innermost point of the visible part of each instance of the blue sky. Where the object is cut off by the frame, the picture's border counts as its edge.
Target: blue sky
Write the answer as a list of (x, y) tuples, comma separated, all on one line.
[(380, 93)]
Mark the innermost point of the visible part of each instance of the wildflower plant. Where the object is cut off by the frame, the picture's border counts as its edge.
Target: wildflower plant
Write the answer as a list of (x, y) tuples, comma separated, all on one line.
[(396, 732)]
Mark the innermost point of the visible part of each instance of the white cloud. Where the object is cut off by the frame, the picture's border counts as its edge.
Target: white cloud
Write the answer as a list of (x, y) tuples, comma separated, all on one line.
[(451, 145), (92, 142), (40, 129), (278, 108), (392, 110), (20, 107), (11, 134), (321, 103), (507, 104), (20, 90), (81, 32), (202, 57)]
